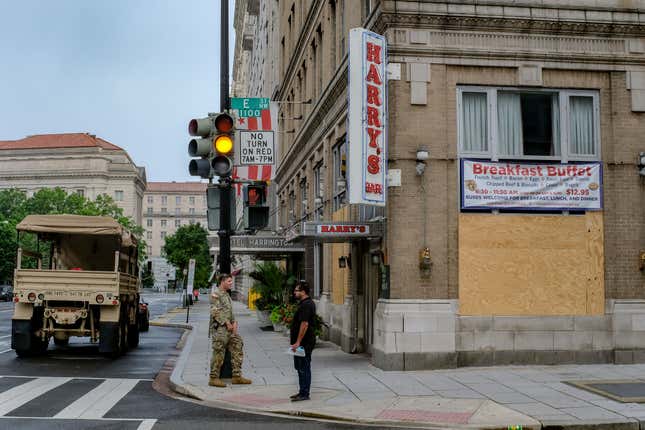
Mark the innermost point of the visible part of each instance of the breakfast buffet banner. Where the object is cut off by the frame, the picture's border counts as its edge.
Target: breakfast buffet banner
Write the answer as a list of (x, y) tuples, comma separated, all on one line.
[(530, 186)]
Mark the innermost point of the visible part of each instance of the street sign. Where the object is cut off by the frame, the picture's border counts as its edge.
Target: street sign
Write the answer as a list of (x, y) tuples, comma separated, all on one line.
[(251, 245), (191, 276), (256, 148), (249, 107)]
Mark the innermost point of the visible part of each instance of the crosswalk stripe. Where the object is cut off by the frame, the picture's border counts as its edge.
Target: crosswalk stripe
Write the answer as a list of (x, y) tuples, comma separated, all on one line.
[(18, 396), (147, 424), (100, 400)]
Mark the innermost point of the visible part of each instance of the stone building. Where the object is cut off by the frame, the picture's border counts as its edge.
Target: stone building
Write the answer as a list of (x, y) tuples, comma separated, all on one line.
[(478, 94), (168, 206), (77, 162)]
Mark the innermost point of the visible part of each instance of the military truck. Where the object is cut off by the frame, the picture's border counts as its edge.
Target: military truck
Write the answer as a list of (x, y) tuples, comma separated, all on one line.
[(89, 289)]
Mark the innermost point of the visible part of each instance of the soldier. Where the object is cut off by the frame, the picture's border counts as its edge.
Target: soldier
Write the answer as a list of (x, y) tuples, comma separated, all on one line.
[(225, 334)]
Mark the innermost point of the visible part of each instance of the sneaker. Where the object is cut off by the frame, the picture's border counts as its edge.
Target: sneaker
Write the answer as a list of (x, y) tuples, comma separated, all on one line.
[(216, 382), (240, 380), (299, 398), (293, 396)]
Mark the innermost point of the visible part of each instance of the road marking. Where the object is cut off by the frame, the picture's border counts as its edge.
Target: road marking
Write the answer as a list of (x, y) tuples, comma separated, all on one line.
[(18, 396), (6, 350), (6, 335), (147, 424), (100, 400)]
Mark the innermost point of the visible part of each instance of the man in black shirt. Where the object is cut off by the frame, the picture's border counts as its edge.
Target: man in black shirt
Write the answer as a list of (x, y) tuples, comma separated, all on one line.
[(302, 334)]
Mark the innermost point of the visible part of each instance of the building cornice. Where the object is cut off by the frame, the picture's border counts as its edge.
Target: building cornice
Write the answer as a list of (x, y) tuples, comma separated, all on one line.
[(506, 18)]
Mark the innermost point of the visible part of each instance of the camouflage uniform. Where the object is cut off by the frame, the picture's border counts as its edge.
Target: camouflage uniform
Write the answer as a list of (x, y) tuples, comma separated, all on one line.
[(221, 312)]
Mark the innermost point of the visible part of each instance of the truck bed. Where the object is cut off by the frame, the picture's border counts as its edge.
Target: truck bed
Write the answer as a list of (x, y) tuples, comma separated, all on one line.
[(71, 284)]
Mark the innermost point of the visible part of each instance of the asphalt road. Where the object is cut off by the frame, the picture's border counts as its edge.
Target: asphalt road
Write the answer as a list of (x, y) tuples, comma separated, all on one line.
[(76, 388)]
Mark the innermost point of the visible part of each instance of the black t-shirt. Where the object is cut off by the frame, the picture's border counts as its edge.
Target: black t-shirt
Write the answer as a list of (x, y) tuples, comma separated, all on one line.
[(306, 312)]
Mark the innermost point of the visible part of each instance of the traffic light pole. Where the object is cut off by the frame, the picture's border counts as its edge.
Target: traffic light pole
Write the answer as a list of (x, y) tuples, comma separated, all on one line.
[(224, 232)]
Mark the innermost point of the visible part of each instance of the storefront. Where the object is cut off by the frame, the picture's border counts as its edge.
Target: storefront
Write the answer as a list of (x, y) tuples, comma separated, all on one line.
[(354, 287)]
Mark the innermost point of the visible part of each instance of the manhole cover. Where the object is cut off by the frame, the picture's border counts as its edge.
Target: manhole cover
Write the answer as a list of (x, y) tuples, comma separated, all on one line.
[(626, 391)]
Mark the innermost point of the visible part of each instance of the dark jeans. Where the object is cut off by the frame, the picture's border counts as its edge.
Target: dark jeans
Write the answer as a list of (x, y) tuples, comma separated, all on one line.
[(303, 366)]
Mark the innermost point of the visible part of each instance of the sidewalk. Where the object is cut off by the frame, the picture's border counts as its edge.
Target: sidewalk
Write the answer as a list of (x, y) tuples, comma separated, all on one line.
[(347, 387)]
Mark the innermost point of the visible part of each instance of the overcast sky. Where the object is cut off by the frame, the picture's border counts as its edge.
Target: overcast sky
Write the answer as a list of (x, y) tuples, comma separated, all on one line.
[(130, 71)]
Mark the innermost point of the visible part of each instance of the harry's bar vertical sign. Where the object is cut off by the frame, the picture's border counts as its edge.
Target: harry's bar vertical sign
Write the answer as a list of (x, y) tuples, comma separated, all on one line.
[(367, 118)]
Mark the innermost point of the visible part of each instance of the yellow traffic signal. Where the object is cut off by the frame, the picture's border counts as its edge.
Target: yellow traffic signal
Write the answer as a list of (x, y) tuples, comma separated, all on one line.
[(223, 144)]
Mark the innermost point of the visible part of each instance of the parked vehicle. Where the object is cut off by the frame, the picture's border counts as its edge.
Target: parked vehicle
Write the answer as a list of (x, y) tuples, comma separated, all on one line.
[(90, 289), (6, 293), (143, 317)]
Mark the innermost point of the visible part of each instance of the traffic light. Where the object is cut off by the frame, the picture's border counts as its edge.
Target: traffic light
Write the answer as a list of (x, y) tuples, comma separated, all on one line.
[(214, 145), (223, 143), (256, 207), (213, 199), (200, 147)]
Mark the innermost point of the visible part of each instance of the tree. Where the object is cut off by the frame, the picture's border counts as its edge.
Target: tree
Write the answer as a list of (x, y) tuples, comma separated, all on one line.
[(190, 241), (147, 278), (15, 205)]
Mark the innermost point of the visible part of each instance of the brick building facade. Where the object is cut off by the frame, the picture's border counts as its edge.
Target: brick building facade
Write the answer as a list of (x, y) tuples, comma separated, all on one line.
[(496, 81)]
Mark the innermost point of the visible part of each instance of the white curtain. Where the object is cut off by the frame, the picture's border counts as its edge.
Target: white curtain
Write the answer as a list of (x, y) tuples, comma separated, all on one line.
[(555, 112), (582, 129), (475, 122), (509, 123)]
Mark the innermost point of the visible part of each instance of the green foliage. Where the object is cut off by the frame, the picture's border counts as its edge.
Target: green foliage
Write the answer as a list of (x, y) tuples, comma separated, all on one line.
[(15, 205), (272, 283), (283, 314), (190, 241), (147, 278)]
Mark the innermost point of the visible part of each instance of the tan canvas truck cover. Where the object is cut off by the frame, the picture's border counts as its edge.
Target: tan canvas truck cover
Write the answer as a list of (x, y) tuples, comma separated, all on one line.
[(76, 225)]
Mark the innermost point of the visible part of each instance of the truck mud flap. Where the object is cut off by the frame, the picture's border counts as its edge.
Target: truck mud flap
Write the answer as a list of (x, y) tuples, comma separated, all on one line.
[(109, 337), (21, 335)]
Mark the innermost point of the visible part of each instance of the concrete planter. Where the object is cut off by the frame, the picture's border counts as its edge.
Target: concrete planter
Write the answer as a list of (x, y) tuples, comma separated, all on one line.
[(263, 317)]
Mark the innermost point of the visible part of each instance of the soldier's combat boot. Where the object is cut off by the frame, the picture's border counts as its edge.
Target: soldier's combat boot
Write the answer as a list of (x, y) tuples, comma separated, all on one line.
[(216, 382), (240, 380)]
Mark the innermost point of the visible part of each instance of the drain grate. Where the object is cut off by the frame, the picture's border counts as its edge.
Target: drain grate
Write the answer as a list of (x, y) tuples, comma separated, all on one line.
[(626, 391)]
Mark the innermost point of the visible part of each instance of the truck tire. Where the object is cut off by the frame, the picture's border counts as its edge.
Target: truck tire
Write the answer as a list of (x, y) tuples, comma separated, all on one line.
[(110, 339), (23, 340), (133, 335)]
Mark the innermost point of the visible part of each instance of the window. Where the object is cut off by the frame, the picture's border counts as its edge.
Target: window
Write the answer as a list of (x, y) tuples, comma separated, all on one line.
[(149, 222), (177, 223), (292, 207), (149, 211), (191, 211), (339, 152), (303, 198), (164, 210), (501, 123), (319, 191), (151, 200), (191, 200), (118, 195), (149, 235), (177, 200), (80, 192), (149, 250), (191, 221), (163, 234), (164, 200), (177, 211), (164, 223)]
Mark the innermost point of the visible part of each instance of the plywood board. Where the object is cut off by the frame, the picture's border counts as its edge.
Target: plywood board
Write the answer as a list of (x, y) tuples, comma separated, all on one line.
[(531, 264), (340, 277)]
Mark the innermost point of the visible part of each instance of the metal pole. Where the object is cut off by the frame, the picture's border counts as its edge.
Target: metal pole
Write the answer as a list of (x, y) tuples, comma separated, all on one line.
[(223, 72), (224, 232), (225, 227)]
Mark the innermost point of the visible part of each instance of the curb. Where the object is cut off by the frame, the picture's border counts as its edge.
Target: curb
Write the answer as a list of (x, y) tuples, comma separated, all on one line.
[(178, 385)]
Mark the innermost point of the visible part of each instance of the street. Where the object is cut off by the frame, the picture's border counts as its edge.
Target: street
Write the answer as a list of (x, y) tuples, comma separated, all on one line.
[(76, 388)]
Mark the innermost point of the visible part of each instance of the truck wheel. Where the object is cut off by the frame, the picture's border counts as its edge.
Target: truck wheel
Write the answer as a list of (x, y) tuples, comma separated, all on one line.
[(110, 339), (24, 342), (133, 336), (124, 336)]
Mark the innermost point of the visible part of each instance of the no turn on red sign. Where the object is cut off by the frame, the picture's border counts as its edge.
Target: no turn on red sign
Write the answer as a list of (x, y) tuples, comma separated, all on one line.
[(256, 148)]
